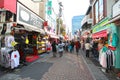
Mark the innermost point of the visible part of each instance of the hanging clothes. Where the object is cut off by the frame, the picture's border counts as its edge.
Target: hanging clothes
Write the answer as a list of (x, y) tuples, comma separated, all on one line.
[(9, 58), (113, 42), (5, 57), (110, 58), (102, 57), (8, 40), (15, 59)]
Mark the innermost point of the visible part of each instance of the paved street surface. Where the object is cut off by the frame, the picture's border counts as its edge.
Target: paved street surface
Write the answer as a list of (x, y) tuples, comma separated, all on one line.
[(68, 67)]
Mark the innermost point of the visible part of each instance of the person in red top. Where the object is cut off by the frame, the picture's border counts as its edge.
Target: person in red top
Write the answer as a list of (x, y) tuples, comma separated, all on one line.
[(77, 46)]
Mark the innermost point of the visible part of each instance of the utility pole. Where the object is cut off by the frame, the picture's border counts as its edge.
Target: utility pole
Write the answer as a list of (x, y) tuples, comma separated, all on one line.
[(59, 16)]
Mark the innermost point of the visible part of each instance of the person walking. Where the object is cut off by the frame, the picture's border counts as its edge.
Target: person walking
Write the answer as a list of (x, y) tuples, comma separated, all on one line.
[(23, 47), (87, 48), (77, 46), (54, 49), (60, 48)]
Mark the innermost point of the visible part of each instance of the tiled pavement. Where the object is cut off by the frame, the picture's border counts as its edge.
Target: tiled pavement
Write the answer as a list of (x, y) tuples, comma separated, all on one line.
[(68, 67), (95, 70)]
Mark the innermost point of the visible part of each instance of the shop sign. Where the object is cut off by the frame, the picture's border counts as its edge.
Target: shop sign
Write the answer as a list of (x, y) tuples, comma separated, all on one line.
[(116, 9), (100, 26), (27, 17), (9, 5)]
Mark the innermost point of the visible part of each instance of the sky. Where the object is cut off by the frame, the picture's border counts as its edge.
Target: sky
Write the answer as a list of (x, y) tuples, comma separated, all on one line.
[(73, 8)]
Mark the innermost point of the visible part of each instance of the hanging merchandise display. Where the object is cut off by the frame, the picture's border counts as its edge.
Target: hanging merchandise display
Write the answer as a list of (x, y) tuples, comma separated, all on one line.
[(9, 57), (41, 44)]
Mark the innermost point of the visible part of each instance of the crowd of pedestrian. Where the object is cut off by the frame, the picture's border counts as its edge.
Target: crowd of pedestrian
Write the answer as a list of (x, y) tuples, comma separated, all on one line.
[(88, 46), (65, 46)]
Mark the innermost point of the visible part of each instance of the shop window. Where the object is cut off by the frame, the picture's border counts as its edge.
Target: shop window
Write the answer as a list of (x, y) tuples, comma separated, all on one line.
[(99, 10)]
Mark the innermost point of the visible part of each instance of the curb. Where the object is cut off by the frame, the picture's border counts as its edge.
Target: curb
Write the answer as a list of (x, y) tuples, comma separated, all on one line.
[(87, 65)]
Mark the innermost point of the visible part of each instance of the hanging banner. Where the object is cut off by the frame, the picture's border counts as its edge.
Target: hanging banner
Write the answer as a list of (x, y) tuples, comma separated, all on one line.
[(49, 7)]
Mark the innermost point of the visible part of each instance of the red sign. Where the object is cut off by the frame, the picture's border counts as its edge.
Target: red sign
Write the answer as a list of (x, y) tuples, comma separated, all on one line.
[(45, 24), (9, 5)]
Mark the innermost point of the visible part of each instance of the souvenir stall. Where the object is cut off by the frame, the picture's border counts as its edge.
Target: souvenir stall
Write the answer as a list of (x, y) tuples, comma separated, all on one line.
[(27, 43), (27, 30), (9, 55), (41, 44), (108, 54), (50, 35), (33, 30)]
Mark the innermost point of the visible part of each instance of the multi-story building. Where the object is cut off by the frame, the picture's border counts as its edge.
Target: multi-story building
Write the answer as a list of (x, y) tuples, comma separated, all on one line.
[(76, 25), (106, 19), (51, 13), (86, 24)]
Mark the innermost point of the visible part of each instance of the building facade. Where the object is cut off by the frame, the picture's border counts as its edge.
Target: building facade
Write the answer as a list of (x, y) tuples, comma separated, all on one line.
[(76, 23), (105, 25)]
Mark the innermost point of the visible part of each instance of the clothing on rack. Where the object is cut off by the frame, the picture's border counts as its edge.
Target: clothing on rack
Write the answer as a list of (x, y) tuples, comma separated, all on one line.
[(110, 58), (107, 59), (9, 58)]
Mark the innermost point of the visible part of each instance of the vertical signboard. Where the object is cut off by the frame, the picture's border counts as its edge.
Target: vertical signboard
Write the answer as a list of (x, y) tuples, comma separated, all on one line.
[(49, 7)]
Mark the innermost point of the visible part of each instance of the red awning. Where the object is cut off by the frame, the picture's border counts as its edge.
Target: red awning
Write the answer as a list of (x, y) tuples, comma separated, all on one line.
[(100, 34), (8, 5)]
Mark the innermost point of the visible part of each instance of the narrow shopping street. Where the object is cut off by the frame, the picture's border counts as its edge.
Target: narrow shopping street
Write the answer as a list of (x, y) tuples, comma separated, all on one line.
[(68, 67)]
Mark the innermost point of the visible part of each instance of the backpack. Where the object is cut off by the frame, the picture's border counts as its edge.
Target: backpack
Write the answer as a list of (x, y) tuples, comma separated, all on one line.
[(60, 46)]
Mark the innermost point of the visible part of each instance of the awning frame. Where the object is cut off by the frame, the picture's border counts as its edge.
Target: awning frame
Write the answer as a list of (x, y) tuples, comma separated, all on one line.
[(100, 34)]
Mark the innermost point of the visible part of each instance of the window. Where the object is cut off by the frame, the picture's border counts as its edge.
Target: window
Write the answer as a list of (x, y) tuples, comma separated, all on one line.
[(100, 9)]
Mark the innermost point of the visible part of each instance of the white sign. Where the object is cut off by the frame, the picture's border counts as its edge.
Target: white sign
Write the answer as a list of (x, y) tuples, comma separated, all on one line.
[(116, 9), (37, 0)]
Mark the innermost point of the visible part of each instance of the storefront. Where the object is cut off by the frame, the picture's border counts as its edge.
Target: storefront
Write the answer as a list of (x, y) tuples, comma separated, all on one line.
[(110, 31), (7, 39), (32, 25), (116, 20)]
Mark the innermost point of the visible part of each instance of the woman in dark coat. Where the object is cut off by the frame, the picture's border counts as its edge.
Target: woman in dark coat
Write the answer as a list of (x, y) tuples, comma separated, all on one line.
[(54, 50)]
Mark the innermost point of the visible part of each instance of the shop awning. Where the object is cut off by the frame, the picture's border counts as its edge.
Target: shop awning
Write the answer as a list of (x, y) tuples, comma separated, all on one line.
[(30, 28), (100, 34), (8, 5), (54, 36)]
